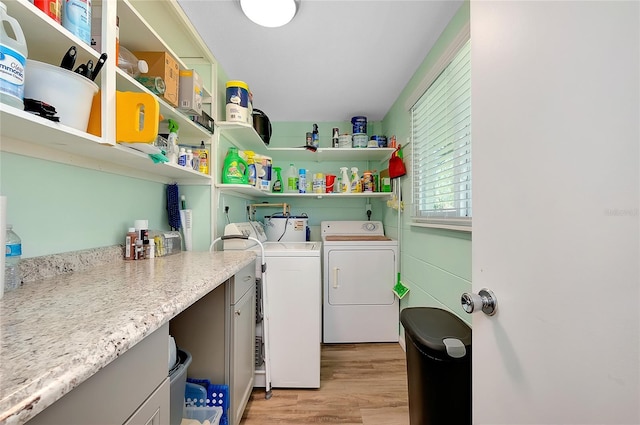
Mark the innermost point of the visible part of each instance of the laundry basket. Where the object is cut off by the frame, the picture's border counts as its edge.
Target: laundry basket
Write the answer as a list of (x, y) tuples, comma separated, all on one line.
[(216, 404)]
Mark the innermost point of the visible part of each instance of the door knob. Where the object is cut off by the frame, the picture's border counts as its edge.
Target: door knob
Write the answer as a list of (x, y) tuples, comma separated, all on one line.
[(484, 300)]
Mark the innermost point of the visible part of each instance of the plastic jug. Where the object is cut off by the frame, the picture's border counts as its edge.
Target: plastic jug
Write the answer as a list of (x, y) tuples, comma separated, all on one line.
[(137, 117), (13, 56), (235, 169)]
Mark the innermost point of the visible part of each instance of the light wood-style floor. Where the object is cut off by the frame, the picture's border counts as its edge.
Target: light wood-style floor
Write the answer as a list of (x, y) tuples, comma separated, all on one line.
[(359, 384)]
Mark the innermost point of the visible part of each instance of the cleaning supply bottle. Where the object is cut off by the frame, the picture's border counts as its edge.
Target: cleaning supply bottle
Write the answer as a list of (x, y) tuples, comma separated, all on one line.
[(302, 181), (345, 184), (277, 184), (356, 185), (251, 163), (315, 142), (13, 58), (292, 179), (235, 169), (204, 159)]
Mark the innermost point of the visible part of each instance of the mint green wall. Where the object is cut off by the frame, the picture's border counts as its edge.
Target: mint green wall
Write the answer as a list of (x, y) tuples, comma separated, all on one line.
[(59, 208), (292, 134), (435, 263)]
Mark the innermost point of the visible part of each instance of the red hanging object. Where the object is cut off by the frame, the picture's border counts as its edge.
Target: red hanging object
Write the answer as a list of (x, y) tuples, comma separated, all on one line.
[(396, 165)]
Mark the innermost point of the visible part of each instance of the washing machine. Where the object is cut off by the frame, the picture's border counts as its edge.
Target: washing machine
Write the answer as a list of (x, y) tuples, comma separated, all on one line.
[(293, 284), (359, 272)]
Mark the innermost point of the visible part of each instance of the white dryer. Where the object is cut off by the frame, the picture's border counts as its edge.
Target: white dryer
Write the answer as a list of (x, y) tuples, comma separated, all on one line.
[(359, 272)]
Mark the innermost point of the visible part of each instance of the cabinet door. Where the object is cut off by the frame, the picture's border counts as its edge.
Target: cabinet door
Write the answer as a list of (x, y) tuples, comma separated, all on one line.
[(243, 355), (155, 410)]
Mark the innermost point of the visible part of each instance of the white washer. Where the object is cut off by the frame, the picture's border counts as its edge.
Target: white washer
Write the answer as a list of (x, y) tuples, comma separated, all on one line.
[(359, 272), (294, 296)]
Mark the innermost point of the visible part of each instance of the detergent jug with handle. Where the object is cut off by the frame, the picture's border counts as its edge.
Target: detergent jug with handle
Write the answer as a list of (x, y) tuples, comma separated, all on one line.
[(235, 169)]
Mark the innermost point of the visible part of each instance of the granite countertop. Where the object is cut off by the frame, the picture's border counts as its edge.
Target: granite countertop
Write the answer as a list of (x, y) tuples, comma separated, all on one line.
[(58, 331)]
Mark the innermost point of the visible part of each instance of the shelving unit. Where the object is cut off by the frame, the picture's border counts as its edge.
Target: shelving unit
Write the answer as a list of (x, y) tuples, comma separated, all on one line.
[(244, 137), (48, 41)]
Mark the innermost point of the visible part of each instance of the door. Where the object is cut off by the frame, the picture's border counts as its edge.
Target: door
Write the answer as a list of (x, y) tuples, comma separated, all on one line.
[(361, 276), (555, 229), (243, 356)]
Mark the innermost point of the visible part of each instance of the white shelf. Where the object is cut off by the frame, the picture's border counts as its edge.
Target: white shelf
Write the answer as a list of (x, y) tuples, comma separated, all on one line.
[(252, 192), (48, 41), (33, 130), (245, 137)]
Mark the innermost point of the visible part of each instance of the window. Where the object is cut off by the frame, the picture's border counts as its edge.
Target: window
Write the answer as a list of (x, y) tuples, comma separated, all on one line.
[(441, 137)]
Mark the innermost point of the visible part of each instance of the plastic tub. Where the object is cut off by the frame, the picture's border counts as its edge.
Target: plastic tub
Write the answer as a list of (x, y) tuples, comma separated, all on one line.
[(177, 383), (360, 140), (70, 93)]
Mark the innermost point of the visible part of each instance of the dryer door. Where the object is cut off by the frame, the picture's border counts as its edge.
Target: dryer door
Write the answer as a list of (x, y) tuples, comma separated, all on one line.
[(361, 276)]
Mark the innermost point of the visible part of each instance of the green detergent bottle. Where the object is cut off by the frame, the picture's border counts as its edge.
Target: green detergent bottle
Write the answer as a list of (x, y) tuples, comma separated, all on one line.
[(235, 169), (277, 184)]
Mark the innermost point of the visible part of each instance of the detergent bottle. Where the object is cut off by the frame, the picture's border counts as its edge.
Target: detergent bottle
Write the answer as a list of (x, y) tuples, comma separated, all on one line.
[(345, 184), (356, 185), (235, 169), (277, 184), (251, 164)]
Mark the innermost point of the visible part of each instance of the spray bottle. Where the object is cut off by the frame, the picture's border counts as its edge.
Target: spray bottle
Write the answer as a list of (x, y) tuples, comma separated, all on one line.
[(251, 163), (356, 185), (277, 184), (345, 185), (172, 149)]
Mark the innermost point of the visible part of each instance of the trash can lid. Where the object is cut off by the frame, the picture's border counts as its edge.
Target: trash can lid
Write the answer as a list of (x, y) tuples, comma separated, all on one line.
[(437, 331)]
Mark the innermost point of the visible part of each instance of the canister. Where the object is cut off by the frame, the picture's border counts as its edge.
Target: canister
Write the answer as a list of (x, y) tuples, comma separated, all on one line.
[(237, 108), (359, 140)]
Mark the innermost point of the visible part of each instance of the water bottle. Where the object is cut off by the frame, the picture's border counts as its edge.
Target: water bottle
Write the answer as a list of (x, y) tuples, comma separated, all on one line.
[(12, 260)]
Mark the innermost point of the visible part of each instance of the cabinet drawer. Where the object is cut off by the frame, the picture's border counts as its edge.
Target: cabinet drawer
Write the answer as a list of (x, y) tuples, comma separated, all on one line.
[(242, 282)]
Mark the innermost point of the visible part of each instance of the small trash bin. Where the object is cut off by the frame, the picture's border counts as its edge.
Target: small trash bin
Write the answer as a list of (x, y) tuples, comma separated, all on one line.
[(438, 350)]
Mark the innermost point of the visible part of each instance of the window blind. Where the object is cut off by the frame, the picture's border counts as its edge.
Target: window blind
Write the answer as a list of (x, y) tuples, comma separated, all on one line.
[(441, 137)]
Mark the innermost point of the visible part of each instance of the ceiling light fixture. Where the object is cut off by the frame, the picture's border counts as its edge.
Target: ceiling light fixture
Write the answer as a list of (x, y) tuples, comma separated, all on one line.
[(269, 13)]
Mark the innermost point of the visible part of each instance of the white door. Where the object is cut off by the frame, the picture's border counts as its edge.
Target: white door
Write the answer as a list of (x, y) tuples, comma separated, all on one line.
[(556, 135), (361, 276)]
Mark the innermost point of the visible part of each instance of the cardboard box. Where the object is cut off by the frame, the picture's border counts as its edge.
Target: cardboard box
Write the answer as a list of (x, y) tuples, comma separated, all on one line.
[(385, 181), (163, 65), (190, 92)]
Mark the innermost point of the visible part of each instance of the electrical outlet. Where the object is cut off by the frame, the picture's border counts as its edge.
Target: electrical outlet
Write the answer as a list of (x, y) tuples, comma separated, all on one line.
[(226, 209)]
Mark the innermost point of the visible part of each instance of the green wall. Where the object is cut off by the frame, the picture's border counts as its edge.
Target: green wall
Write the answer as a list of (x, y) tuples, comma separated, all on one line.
[(58, 208), (435, 263)]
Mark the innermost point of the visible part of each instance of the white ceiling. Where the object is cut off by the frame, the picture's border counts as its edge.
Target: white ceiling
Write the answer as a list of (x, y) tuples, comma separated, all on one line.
[(335, 60)]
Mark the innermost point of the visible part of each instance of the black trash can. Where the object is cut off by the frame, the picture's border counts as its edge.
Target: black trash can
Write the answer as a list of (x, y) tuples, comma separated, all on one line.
[(438, 347)]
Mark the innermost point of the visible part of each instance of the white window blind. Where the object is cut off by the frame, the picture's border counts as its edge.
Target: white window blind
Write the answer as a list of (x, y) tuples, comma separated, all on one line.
[(441, 137)]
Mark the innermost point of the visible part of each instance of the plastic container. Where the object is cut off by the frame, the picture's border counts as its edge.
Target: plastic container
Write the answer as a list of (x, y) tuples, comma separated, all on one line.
[(251, 163), (76, 17), (356, 185), (13, 56), (359, 124), (277, 184), (69, 92), (237, 108), (129, 63), (217, 397), (359, 140), (12, 279), (302, 181), (177, 384), (345, 183), (438, 366), (51, 8), (235, 169), (292, 179)]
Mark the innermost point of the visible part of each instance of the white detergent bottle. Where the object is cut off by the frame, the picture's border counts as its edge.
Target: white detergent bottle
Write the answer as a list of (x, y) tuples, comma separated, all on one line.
[(355, 180), (13, 58), (345, 184)]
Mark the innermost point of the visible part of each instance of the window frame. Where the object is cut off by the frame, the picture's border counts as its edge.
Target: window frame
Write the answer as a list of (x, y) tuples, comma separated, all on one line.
[(450, 223)]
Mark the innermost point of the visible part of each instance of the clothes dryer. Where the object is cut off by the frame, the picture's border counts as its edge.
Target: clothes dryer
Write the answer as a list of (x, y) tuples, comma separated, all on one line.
[(359, 272)]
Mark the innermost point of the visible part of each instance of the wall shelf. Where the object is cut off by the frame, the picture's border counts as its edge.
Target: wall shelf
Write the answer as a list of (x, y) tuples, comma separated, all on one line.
[(252, 192)]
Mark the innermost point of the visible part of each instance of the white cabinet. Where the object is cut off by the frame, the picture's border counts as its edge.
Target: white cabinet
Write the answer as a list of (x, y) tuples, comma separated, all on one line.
[(244, 137), (47, 41)]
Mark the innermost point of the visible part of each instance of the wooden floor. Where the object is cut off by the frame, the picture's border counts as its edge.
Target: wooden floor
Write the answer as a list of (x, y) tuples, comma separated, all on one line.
[(359, 384)]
